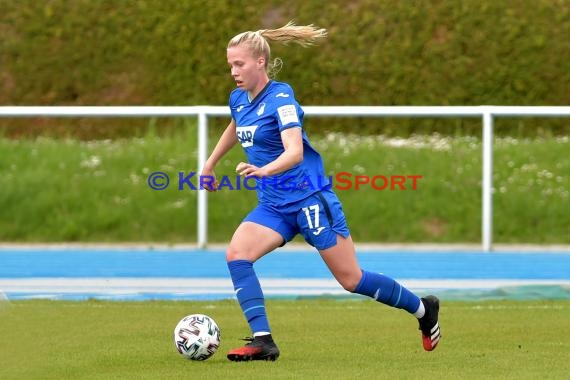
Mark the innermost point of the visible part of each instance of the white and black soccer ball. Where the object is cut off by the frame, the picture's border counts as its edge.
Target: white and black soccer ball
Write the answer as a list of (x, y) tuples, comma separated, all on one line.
[(197, 337)]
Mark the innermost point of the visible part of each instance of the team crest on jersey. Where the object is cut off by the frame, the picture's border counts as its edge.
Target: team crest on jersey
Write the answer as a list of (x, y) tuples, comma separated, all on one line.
[(261, 109), (245, 135)]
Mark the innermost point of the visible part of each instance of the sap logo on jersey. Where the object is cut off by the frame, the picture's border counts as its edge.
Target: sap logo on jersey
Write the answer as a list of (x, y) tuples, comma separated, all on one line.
[(245, 135)]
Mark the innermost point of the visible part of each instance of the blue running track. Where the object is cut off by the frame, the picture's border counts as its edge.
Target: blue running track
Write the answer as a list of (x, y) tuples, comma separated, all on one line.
[(138, 274)]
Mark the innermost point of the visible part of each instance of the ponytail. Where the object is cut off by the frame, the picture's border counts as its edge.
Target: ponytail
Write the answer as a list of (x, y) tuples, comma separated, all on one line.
[(305, 36)]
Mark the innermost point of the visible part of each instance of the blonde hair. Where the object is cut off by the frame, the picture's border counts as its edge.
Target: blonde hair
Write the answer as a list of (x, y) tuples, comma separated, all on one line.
[(305, 35)]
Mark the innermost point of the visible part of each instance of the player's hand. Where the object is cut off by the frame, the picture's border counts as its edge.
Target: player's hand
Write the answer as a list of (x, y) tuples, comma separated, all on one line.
[(206, 174), (249, 170)]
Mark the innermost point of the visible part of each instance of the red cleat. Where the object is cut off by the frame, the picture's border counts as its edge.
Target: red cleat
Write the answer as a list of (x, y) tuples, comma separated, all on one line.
[(429, 324), (259, 348)]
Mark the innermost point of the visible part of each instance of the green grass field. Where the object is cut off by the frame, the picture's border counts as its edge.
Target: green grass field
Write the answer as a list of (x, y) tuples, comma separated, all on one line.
[(318, 338), (97, 191)]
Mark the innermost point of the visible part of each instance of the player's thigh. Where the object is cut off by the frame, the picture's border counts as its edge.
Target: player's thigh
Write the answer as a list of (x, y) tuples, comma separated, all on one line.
[(341, 261), (251, 241)]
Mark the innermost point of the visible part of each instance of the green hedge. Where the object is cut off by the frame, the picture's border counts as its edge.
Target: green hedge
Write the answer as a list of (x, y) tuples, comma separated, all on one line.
[(172, 52)]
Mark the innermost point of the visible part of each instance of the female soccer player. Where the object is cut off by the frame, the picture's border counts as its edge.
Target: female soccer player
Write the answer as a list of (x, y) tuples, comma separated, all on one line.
[(292, 197)]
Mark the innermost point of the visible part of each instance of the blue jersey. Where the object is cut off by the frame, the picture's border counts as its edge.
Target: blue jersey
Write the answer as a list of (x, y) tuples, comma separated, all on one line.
[(259, 124)]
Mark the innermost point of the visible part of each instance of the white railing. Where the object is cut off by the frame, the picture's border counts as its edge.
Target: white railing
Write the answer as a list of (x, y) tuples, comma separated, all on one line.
[(487, 113)]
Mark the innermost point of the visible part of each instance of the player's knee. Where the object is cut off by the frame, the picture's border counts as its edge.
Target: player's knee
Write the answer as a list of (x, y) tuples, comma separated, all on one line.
[(233, 254), (350, 286), (239, 253), (349, 283)]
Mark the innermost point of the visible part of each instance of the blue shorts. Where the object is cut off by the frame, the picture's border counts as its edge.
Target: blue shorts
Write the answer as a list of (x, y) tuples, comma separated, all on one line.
[(319, 218)]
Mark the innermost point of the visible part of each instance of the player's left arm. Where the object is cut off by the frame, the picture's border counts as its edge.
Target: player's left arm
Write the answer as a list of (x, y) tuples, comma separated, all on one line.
[(292, 139)]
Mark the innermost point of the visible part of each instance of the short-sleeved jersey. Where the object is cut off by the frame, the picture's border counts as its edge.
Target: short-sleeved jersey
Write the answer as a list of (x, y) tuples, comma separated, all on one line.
[(259, 124)]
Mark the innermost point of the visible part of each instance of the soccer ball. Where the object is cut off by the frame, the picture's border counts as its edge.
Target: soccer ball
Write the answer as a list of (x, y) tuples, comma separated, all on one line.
[(197, 337)]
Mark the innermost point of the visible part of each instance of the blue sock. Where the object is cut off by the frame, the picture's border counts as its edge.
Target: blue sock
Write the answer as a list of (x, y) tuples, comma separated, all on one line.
[(249, 294), (386, 290)]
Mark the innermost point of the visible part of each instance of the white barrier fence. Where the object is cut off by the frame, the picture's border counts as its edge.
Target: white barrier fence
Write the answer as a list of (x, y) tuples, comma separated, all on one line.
[(487, 113)]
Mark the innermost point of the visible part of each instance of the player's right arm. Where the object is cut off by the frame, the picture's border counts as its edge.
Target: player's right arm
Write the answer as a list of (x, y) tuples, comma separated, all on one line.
[(225, 143)]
